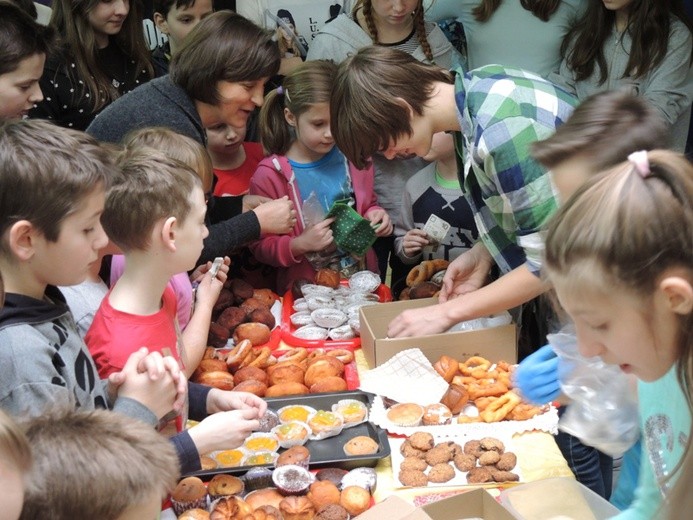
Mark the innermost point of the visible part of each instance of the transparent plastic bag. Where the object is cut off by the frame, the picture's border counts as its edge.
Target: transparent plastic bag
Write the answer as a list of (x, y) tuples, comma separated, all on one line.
[(603, 410), (313, 213)]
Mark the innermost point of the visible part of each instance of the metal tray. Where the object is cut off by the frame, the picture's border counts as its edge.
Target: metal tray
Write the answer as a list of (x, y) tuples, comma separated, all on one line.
[(327, 452)]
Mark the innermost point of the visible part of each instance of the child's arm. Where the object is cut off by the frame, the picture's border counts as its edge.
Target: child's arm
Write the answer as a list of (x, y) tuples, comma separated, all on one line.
[(314, 238), (195, 334), (380, 221), (409, 241)]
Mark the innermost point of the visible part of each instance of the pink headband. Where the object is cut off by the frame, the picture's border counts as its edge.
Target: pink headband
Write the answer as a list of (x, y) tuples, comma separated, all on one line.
[(641, 162)]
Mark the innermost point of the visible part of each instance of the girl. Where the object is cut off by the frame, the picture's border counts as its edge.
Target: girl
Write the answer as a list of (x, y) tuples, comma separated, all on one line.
[(640, 45), (620, 257), (295, 128), (103, 56)]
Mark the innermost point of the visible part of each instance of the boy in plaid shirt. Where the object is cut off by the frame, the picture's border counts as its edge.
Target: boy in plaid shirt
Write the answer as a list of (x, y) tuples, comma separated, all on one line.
[(387, 102)]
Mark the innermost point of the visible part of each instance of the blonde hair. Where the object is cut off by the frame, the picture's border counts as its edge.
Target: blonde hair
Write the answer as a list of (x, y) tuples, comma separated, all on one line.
[(631, 229), (14, 447), (176, 146), (419, 24), (309, 83), (95, 465)]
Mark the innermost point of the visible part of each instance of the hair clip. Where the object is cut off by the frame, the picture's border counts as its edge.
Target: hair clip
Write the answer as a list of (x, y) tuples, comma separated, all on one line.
[(641, 162), (280, 90)]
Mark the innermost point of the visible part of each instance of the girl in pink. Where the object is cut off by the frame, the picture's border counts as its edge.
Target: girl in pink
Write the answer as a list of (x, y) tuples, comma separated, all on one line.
[(307, 166)]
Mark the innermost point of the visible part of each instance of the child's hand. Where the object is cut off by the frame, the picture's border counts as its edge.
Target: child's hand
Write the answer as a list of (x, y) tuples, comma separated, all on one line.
[(208, 288), (152, 380), (414, 241), (222, 401), (250, 202), (314, 238), (224, 430), (276, 216), (380, 218)]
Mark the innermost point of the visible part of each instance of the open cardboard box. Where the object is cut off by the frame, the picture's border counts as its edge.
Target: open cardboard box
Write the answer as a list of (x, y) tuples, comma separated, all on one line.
[(495, 344), (477, 503)]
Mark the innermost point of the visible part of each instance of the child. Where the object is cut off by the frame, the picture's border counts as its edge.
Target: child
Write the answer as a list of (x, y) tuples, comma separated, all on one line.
[(384, 100), (97, 465), (619, 255), (175, 18), (47, 238), (306, 165), (23, 48), (15, 455), (435, 190), (644, 47), (103, 55)]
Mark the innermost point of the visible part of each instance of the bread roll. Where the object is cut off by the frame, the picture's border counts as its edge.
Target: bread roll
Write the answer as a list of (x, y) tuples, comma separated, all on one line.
[(256, 333), (286, 389)]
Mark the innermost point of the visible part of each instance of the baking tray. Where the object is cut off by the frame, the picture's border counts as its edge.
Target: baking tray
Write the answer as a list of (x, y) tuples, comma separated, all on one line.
[(288, 328), (327, 452)]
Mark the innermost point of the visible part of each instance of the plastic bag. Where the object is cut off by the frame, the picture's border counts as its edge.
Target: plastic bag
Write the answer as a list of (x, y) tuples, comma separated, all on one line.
[(603, 412), (314, 213)]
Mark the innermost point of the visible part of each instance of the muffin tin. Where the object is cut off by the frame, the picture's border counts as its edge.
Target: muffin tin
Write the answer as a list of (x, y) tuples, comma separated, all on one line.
[(327, 452)]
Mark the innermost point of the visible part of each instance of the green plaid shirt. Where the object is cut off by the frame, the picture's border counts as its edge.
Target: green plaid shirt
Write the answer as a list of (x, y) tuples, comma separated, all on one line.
[(502, 111)]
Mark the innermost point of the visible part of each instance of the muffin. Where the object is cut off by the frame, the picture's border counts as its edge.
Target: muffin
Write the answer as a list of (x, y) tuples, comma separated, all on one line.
[(190, 493), (361, 445), (296, 455), (194, 514), (332, 512), (257, 478), (229, 458), (297, 508), (292, 433), (268, 421), (292, 479), (353, 411), (406, 414), (355, 500), (224, 485), (323, 493), (436, 414), (334, 475), (258, 442)]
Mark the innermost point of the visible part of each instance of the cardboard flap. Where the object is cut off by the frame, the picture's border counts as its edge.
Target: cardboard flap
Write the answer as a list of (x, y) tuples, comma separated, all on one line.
[(392, 508)]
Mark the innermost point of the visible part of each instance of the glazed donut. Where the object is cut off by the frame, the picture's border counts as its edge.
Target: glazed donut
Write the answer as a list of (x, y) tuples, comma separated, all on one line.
[(439, 264), (261, 360), (498, 409), (294, 355), (417, 275), (238, 354), (477, 363), (344, 355)]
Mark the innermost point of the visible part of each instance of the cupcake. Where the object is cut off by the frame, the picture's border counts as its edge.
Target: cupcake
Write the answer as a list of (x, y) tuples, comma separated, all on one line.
[(355, 500), (194, 514), (190, 493), (258, 442), (353, 411), (229, 458), (334, 475), (405, 414), (293, 433), (322, 493), (297, 455), (325, 424), (332, 512), (295, 412), (260, 458), (224, 485), (257, 478), (436, 414), (361, 445), (268, 421), (292, 479)]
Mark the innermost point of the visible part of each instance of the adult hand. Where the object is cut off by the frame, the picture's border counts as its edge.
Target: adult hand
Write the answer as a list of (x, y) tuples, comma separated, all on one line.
[(467, 273), (419, 322), (414, 241), (224, 430), (380, 221), (250, 202), (537, 376), (223, 401), (276, 216)]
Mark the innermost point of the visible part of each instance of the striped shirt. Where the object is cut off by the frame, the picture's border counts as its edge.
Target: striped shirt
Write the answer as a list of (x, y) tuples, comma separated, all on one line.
[(502, 111)]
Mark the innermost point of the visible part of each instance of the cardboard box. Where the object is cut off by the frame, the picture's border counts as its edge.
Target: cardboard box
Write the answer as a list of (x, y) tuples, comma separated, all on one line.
[(477, 503), (495, 344)]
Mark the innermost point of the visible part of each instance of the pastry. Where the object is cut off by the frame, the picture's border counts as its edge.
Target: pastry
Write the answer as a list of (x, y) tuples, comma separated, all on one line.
[(507, 461), (261, 442), (446, 367), (286, 389), (256, 333), (229, 458), (266, 496), (361, 477), (297, 508), (322, 367), (245, 373), (258, 478), (217, 379), (260, 458), (194, 514), (423, 290), (210, 365), (267, 512), (325, 424), (473, 448), (407, 450), (285, 373), (438, 455), (455, 398), (436, 414), (296, 412), (322, 493), (254, 387), (224, 485), (190, 493), (266, 296), (332, 512), (479, 475), (489, 458), (292, 434), (334, 475), (296, 455), (329, 384), (268, 421), (224, 300), (230, 508), (405, 414), (353, 411), (355, 500), (361, 445), (292, 479)]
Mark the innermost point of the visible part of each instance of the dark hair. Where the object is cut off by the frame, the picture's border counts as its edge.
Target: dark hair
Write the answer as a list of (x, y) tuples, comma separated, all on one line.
[(649, 25), (20, 37), (283, 13), (223, 47), (27, 6), (71, 19), (607, 126), (542, 9), (164, 6), (364, 114)]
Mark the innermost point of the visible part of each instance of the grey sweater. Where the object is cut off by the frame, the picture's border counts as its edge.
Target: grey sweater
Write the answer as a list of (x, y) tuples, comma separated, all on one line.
[(161, 102)]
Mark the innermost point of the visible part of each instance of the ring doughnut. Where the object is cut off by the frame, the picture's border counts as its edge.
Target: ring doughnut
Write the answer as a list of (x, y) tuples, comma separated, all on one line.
[(315, 353), (439, 264), (486, 388), (498, 409), (261, 360), (294, 355), (249, 358), (417, 275), (344, 355), (525, 411), (238, 354), (475, 363)]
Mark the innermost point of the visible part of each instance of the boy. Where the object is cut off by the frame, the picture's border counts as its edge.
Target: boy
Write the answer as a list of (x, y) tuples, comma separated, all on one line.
[(385, 101), (97, 465), (23, 48), (15, 455), (175, 18), (52, 189)]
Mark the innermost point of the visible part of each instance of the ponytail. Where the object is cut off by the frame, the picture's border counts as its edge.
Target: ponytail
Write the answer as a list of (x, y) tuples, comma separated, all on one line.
[(275, 133)]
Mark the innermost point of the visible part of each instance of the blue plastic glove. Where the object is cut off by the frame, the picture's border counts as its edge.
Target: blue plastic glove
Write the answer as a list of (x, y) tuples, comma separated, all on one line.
[(537, 376)]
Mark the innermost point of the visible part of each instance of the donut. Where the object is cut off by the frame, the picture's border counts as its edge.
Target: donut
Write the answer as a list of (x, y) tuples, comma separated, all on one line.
[(344, 355), (498, 409), (475, 365), (439, 264), (417, 275), (261, 360), (238, 354), (446, 367), (294, 355), (486, 388)]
